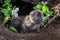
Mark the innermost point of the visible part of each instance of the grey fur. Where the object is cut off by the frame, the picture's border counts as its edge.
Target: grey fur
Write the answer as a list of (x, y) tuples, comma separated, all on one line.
[(28, 25)]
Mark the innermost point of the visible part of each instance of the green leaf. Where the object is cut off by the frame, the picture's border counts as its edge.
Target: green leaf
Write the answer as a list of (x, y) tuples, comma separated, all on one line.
[(51, 13), (5, 12), (9, 9), (6, 19), (45, 19), (6, 2), (46, 10), (13, 16), (38, 7), (13, 29)]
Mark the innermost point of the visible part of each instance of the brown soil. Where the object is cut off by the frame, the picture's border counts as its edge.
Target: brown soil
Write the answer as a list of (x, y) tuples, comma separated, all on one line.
[(51, 31)]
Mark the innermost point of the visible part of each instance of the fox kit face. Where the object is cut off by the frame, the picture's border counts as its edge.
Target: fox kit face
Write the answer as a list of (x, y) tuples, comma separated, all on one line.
[(36, 16), (33, 20), (30, 22)]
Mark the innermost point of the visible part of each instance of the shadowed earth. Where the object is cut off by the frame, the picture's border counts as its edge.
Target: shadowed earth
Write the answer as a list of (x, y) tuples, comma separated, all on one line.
[(51, 31)]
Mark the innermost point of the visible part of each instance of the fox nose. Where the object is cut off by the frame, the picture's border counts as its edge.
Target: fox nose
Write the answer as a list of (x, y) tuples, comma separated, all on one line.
[(37, 20)]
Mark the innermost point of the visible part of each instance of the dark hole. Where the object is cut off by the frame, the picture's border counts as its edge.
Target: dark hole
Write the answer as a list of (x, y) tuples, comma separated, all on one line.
[(24, 7)]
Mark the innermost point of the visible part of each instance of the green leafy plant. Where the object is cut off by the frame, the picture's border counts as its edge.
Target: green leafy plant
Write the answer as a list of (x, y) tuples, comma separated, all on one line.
[(7, 3), (41, 6), (7, 10), (44, 9), (9, 13)]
